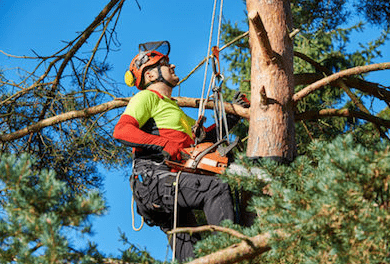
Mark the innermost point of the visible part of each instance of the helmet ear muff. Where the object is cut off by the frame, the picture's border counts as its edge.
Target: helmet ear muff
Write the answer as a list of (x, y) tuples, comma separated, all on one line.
[(129, 79)]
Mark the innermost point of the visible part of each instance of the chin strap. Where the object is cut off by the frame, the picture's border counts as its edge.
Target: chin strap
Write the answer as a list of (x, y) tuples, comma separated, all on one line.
[(160, 78)]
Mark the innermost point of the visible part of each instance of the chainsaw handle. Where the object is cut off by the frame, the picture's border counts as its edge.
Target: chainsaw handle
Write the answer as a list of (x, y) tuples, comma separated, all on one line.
[(204, 152)]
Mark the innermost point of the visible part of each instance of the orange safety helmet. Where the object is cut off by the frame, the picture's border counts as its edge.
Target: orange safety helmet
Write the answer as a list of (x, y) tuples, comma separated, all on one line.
[(150, 54)]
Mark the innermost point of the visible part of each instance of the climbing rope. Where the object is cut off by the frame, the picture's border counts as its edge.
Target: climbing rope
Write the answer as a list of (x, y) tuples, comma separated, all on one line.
[(132, 203), (175, 215), (209, 48), (218, 109), (216, 81), (133, 217)]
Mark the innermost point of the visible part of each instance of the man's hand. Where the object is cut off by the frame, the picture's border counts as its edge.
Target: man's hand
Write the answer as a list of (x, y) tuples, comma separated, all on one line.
[(172, 151), (240, 99), (198, 129)]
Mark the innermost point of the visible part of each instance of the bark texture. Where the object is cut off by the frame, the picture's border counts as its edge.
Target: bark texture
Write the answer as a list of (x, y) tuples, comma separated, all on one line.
[(271, 129)]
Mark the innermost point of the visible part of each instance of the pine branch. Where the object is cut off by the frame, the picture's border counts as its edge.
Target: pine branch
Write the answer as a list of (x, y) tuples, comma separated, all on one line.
[(105, 107), (95, 49), (239, 252), (341, 83), (182, 102), (370, 88), (342, 113), (334, 77), (70, 54), (210, 228)]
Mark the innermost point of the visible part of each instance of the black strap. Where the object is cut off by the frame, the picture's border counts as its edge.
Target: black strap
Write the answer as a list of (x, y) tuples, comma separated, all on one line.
[(160, 78), (168, 198)]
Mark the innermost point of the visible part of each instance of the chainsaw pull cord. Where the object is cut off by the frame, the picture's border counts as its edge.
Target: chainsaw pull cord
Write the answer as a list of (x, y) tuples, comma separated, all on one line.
[(132, 180), (175, 215)]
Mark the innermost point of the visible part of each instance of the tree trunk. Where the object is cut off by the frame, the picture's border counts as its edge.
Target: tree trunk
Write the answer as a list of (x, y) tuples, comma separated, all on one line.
[(271, 127)]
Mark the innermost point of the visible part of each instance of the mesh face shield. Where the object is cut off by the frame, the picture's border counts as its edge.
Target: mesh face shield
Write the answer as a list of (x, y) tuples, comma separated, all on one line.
[(147, 49), (160, 46)]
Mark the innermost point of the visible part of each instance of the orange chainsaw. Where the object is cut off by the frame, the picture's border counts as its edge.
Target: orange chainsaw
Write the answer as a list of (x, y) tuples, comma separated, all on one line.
[(205, 158)]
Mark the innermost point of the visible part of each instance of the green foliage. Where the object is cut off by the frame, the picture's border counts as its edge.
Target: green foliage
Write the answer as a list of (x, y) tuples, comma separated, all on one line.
[(334, 206), (40, 216), (133, 254), (39, 211), (332, 203), (329, 49)]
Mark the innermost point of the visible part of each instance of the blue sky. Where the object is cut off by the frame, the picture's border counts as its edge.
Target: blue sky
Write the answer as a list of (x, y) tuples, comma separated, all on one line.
[(42, 25)]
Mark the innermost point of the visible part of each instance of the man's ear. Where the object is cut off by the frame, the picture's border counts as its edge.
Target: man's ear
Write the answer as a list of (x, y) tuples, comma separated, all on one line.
[(150, 75)]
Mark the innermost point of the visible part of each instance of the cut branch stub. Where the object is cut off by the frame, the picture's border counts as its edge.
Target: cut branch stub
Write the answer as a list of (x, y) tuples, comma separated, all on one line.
[(263, 96), (262, 36)]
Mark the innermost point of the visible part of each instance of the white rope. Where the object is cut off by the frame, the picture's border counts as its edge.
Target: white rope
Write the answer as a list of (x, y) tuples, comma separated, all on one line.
[(204, 100), (132, 206), (133, 218), (175, 216), (220, 22), (200, 112), (203, 108), (207, 59)]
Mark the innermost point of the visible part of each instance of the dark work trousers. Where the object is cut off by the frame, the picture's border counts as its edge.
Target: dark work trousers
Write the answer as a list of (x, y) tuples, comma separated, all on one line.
[(207, 193)]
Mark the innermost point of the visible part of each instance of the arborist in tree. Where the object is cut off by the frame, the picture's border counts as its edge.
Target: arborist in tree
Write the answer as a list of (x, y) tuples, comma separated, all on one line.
[(158, 130)]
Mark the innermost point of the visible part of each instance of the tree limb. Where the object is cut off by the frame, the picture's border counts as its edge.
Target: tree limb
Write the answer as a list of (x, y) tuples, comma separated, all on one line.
[(182, 102), (62, 118), (239, 252), (352, 71), (262, 36), (342, 113), (370, 88), (341, 83), (210, 228), (117, 103)]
